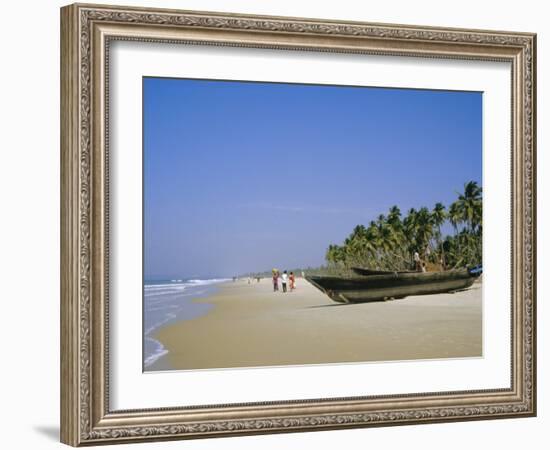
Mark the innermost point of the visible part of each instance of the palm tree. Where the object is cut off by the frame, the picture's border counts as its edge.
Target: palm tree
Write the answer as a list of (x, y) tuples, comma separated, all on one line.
[(389, 242), (394, 218), (424, 230), (386, 243), (438, 218), (454, 216), (334, 254), (439, 215), (410, 226), (397, 247), (469, 205), (359, 245)]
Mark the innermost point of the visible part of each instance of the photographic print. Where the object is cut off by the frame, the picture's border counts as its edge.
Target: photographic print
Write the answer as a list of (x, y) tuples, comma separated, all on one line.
[(295, 224)]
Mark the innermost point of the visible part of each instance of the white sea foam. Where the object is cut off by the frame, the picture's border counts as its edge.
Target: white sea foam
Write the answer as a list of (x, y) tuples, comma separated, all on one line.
[(168, 302), (155, 351), (182, 285), (160, 292), (154, 287), (208, 281)]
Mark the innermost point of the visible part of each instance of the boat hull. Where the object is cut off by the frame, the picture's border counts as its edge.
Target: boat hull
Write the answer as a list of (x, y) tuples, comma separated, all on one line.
[(392, 285)]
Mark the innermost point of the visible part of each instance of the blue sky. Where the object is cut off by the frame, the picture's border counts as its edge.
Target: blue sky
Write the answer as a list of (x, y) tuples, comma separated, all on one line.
[(244, 176)]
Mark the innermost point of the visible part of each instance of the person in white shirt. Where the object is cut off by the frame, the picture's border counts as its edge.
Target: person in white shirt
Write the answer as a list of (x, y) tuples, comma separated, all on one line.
[(284, 280), (417, 262)]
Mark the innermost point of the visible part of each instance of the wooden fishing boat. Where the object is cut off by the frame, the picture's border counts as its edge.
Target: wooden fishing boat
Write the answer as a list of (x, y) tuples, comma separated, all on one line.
[(392, 285), (368, 272)]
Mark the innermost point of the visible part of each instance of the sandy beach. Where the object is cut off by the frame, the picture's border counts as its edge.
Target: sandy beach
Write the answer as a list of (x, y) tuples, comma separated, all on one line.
[(249, 325)]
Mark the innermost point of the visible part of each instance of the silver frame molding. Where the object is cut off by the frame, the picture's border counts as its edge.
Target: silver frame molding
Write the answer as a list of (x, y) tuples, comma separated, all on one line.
[(86, 32)]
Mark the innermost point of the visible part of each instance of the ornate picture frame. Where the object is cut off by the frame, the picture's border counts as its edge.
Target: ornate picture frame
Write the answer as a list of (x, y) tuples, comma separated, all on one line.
[(87, 32)]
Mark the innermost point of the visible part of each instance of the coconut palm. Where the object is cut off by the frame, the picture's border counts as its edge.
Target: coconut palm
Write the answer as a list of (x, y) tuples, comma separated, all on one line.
[(389, 242), (334, 254), (454, 216), (359, 246), (438, 218), (424, 230), (410, 225), (469, 205), (394, 217)]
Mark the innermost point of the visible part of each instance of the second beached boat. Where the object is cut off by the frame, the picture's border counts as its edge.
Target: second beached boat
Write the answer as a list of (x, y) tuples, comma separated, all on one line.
[(379, 285)]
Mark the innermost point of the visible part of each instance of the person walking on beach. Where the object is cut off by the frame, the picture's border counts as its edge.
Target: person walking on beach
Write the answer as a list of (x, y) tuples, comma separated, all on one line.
[(284, 279), (275, 280), (292, 279), (417, 262)]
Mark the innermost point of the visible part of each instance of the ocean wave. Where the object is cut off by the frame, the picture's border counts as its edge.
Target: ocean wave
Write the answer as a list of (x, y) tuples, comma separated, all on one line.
[(153, 292), (166, 304), (152, 287), (184, 284), (155, 350), (209, 281)]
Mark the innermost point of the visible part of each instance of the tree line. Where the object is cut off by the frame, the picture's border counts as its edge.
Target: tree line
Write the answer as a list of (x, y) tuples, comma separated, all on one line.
[(390, 241)]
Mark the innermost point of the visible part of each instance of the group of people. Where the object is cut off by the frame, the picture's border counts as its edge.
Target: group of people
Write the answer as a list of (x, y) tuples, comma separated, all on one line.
[(285, 280), (249, 279)]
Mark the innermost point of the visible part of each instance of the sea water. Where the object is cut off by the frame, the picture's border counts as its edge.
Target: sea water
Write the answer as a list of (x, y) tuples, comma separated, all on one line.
[(169, 301)]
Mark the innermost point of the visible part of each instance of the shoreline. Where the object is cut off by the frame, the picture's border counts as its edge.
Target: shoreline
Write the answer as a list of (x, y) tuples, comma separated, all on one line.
[(251, 326), (165, 310)]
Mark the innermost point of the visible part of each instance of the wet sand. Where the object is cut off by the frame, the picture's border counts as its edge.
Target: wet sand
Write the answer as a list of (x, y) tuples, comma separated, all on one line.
[(251, 326)]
